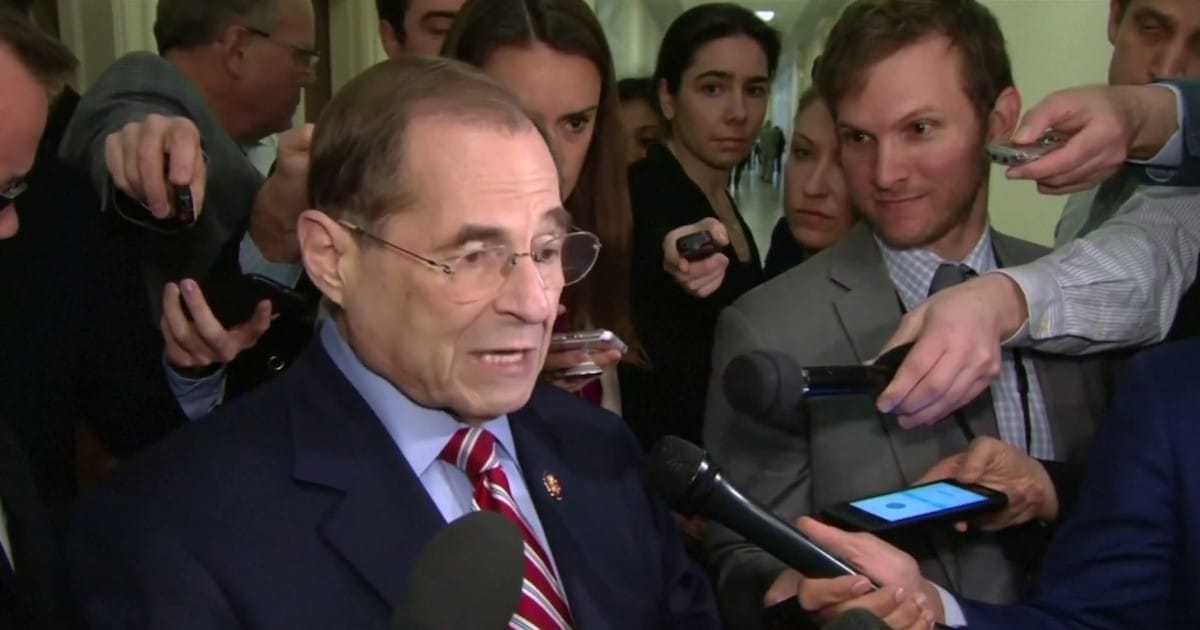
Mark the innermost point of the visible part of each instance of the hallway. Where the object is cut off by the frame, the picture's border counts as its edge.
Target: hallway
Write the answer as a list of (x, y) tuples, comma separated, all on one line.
[(761, 205)]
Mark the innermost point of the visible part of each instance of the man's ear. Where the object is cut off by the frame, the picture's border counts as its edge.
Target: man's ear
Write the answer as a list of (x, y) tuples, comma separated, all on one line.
[(329, 253), (390, 40), (666, 100), (1115, 15), (1006, 113), (233, 43)]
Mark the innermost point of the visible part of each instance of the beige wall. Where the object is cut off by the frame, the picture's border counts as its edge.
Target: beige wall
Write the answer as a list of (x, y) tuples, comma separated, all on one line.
[(1053, 44)]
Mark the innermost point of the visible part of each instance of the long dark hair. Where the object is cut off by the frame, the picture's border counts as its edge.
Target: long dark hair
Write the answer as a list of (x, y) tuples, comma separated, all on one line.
[(600, 201)]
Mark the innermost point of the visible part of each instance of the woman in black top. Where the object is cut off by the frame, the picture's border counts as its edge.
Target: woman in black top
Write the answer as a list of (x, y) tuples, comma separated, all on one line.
[(552, 54), (714, 72), (816, 203)]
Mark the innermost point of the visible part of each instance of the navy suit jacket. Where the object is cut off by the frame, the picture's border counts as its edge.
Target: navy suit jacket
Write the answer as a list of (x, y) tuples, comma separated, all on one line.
[(293, 508), (1129, 555)]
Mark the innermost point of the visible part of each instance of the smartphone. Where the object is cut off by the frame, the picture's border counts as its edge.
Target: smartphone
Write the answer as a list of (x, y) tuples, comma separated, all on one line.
[(1009, 154), (697, 246), (233, 300), (599, 339), (935, 503)]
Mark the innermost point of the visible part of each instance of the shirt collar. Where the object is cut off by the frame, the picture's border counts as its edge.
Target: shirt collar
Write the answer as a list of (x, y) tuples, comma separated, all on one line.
[(911, 270), (419, 432)]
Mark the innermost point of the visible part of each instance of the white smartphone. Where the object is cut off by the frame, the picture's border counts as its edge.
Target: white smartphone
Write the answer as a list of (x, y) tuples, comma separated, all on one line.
[(599, 339), (1009, 154)]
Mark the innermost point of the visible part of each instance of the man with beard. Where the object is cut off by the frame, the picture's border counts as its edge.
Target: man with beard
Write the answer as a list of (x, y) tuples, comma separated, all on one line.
[(918, 88)]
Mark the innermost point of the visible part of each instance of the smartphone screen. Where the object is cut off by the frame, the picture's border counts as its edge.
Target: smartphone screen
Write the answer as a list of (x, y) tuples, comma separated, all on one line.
[(918, 501)]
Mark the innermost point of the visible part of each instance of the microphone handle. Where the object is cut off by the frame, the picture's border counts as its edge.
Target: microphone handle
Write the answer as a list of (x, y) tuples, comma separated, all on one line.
[(774, 535), (846, 379)]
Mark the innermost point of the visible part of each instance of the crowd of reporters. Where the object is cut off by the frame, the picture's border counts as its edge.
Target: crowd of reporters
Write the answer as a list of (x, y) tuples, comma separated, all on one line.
[(235, 389)]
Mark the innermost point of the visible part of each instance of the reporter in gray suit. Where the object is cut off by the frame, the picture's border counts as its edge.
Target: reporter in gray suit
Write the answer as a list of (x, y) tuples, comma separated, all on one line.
[(913, 131), (228, 74)]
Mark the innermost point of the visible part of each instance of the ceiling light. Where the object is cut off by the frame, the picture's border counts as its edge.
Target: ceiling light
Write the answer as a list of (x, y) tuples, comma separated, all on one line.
[(765, 16)]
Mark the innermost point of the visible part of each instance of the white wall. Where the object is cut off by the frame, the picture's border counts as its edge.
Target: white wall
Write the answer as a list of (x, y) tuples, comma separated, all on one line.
[(1053, 44), (634, 33)]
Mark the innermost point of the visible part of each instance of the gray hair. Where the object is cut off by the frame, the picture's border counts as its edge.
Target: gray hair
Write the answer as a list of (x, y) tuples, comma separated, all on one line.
[(183, 24), (358, 167)]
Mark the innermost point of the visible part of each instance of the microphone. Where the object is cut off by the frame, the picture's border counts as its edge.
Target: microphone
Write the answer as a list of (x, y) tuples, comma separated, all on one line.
[(767, 381), (468, 577), (687, 479), (855, 619)]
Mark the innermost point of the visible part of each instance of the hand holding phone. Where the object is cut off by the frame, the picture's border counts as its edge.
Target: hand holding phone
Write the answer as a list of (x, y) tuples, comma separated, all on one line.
[(580, 356), (938, 503), (696, 246)]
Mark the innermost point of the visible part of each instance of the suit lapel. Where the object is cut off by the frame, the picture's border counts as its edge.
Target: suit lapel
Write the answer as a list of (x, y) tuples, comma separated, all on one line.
[(870, 312), (570, 516), (384, 517)]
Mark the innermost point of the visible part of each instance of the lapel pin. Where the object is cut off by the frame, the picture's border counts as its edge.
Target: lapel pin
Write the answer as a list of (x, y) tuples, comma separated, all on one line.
[(553, 487)]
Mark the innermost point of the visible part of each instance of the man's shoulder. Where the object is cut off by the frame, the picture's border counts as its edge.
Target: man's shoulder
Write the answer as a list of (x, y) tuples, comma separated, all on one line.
[(567, 414), (1016, 251), (794, 293), (243, 448)]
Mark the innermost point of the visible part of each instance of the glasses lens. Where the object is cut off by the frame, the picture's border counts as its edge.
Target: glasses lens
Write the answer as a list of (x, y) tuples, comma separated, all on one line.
[(579, 253), (560, 262)]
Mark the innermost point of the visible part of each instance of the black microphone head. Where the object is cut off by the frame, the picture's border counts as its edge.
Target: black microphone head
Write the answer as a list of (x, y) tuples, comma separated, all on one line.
[(855, 619), (469, 576), (763, 382), (672, 470)]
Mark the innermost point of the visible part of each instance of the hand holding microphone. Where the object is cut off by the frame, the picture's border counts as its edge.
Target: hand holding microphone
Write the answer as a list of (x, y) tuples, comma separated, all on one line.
[(691, 483)]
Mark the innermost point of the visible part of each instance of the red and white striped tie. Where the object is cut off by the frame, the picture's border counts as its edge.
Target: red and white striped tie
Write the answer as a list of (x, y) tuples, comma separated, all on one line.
[(543, 605)]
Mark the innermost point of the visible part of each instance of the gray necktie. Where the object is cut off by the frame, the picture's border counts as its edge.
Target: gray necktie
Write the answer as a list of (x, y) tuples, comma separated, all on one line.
[(948, 275)]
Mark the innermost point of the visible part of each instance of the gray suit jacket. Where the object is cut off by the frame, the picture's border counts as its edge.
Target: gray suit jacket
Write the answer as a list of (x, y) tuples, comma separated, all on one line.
[(839, 308), (135, 86)]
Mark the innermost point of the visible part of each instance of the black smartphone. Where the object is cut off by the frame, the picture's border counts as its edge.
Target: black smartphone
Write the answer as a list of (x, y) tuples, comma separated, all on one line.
[(232, 300), (935, 503), (697, 246)]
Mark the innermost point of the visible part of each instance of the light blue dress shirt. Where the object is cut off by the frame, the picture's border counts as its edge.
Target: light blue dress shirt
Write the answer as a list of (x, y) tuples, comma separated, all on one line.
[(421, 433)]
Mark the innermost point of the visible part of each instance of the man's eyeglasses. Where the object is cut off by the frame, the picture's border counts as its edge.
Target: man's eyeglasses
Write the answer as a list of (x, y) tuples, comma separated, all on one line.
[(479, 273), (306, 57), (10, 195)]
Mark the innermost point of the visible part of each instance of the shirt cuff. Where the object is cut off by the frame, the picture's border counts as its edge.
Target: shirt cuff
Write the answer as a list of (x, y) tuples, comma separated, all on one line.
[(252, 261), (197, 397), (952, 610), (1043, 299), (1161, 167)]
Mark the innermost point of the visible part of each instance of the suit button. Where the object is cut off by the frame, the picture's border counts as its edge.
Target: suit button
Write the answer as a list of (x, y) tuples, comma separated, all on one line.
[(276, 363)]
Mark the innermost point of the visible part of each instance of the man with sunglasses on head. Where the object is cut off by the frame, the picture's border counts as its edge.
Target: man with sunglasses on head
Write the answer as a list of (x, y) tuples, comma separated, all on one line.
[(154, 130), (441, 247)]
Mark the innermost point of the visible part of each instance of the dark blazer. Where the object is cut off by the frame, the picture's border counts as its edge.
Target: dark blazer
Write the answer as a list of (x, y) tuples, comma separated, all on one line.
[(839, 308), (785, 251), (293, 508), (676, 328), (1129, 555), (30, 598)]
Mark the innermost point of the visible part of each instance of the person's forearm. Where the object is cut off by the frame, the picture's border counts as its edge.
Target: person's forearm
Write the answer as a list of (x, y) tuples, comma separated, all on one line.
[(1155, 112), (1120, 286), (273, 225)]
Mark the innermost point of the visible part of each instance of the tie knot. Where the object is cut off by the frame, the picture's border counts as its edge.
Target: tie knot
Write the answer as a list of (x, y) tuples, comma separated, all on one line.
[(948, 275), (472, 450)]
